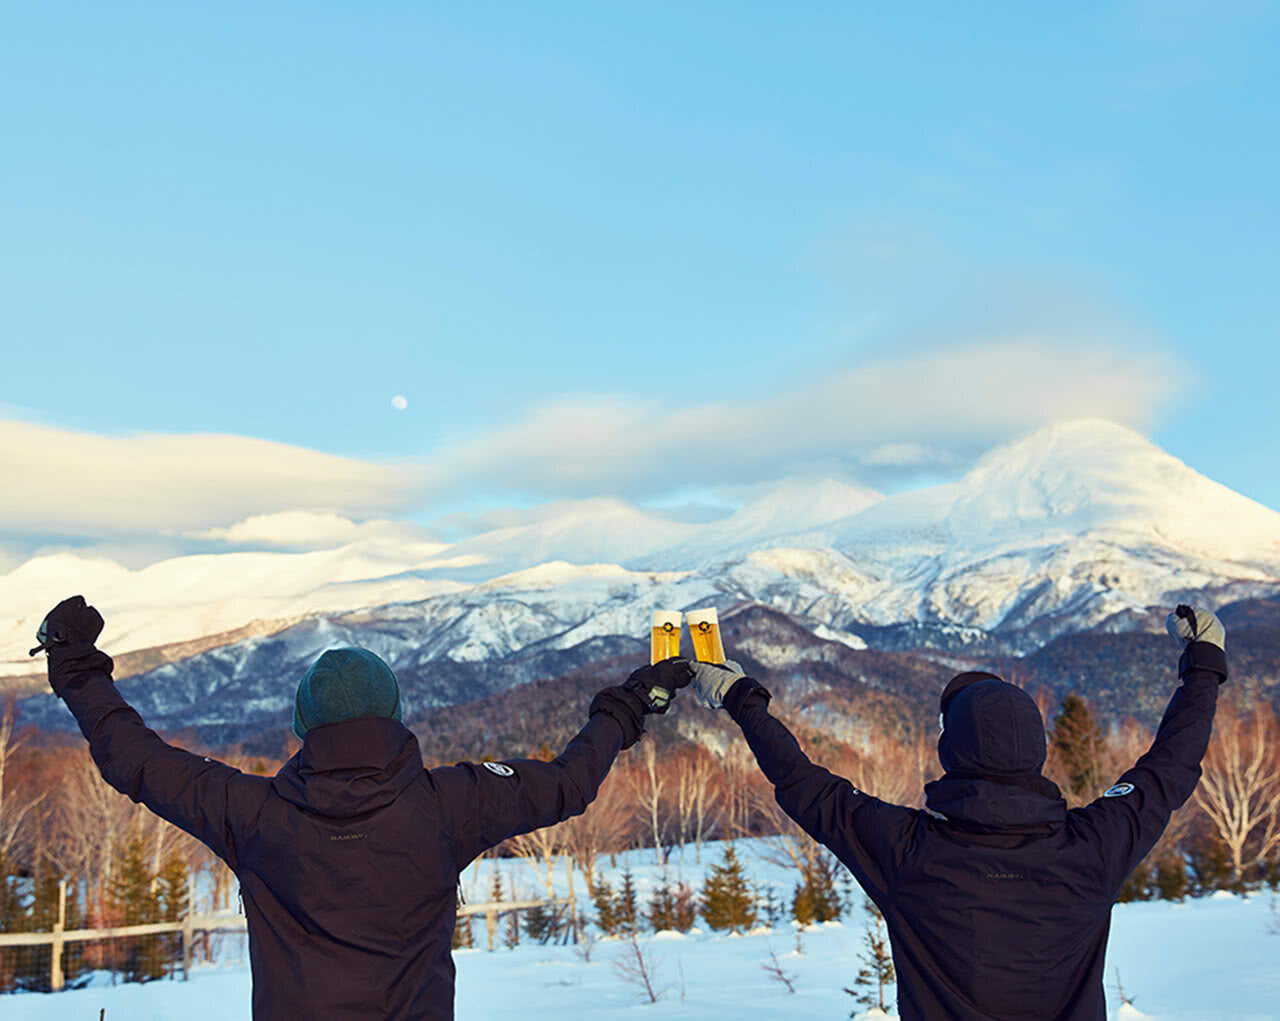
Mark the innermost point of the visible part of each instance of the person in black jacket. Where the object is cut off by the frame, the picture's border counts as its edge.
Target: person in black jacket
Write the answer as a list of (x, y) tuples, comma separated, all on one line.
[(348, 858), (996, 896)]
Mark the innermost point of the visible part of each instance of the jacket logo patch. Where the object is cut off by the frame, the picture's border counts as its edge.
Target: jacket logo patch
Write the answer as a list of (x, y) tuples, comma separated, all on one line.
[(501, 768), (350, 836), (1118, 791)]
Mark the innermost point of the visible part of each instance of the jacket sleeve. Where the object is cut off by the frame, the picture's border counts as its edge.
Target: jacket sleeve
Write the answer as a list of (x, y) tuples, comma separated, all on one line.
[(485, 803), (1131, 815), (865, 833), (190, 791)]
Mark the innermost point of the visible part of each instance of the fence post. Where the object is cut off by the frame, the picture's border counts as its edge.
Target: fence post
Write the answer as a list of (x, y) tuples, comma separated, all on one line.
[(188, 933), (55, 964), (491, 924)]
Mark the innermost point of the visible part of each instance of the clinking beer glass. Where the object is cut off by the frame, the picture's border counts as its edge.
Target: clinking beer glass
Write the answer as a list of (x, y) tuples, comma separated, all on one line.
[(704, 626), (664, 636)]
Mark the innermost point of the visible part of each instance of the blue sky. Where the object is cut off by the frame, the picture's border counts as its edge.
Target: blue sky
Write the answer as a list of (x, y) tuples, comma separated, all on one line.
[(551, 225)]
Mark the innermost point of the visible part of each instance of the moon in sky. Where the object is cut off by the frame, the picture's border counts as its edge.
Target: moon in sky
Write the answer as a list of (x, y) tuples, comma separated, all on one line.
[(399, 402)]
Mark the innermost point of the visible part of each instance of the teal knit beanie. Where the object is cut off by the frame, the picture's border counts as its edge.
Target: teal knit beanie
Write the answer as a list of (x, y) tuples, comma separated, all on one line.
[(345, 684)]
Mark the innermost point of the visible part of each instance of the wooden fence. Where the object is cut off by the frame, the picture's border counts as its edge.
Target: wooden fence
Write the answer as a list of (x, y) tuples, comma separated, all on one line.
[(217, 922)]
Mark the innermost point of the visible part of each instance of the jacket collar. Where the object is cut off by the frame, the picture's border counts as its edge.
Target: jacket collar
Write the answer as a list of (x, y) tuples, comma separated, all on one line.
[(1014, 803), (349, 768)]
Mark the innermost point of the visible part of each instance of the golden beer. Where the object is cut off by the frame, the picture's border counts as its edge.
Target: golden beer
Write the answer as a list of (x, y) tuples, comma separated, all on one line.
[(664, 637), (704, 626)]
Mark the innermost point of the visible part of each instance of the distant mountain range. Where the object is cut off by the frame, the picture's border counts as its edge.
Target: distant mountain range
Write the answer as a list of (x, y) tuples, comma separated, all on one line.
[(1081, 527)]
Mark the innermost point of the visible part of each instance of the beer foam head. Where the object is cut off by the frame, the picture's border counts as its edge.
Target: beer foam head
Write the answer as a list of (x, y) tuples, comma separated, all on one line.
[(704, 616), (661, 618)]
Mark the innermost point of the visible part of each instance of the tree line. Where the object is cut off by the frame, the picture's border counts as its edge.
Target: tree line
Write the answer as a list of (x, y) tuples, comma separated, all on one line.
[(674, 792)]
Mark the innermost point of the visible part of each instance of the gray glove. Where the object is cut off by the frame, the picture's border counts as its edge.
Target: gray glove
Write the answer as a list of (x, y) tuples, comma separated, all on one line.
[(1188, 624), (712, 681)]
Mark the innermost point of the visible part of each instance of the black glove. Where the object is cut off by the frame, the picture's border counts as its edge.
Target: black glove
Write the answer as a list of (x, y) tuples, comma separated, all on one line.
[(71, 622), (657, 684)]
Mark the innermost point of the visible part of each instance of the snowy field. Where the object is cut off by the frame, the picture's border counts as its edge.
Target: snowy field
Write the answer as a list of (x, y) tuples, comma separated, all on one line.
[(1205, 960)]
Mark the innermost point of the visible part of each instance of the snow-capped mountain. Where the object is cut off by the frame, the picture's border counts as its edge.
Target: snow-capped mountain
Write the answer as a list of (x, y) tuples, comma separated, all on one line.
[(1061, 531)]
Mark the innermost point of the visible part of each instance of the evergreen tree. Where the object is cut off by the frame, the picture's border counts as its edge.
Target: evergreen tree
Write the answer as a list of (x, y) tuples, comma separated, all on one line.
[(727, 902), (133, 894), (815, 898), (1079, 745), (606, 910), (671, 907), (1210, 861), (462, 939), (171, 891), (1138, 885), (684, 908), (771, 906), (661, 907), (1171, 877), (38, 911), (625, 908), (877, 963), (542, 924)]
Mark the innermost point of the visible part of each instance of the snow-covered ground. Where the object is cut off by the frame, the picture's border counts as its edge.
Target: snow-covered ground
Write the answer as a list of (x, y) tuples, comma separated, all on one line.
[(1213, 959)]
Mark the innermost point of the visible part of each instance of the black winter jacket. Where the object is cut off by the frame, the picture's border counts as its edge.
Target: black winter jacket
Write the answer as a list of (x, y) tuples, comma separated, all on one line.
[(348, 858), (997, 898)]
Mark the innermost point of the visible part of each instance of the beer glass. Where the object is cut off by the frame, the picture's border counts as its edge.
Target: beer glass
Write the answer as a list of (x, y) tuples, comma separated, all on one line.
[(704, 626), (664, 637)]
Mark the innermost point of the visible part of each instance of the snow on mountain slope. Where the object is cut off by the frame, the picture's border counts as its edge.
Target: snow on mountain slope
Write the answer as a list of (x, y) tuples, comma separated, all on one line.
[(580, 532), (1056, 532), (791, 508), (187, 597)]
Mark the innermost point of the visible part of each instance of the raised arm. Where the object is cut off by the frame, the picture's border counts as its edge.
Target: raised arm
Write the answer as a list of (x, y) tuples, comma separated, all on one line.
[(1134, 811), (190, 791), (485, 803), (862, 830)]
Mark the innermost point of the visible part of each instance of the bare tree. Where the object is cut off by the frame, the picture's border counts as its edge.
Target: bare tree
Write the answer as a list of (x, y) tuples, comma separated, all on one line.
[(539, 848), (15, 804), (602, 827), (774, 970), (696, 797), (1240, 787), (635, 967), (649, 786)]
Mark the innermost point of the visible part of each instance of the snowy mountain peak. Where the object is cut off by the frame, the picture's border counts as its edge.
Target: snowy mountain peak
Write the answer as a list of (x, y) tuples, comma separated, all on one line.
[(1083, 477)]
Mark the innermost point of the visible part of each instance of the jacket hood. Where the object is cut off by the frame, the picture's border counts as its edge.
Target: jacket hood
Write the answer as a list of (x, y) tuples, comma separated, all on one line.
[(1018, 804), (990, 727), (350, 768)]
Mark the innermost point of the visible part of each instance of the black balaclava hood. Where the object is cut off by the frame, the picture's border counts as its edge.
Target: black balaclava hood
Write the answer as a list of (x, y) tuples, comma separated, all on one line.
[(990, 728)]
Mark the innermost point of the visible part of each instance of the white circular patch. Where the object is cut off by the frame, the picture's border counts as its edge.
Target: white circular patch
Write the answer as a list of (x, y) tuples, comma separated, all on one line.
[(1118, 791), (501, 768), (399, 402)]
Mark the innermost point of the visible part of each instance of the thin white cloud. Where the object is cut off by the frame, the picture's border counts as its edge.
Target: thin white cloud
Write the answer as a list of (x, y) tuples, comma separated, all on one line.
[(924, 411), (882, 424), (309, 530), (61, 481)]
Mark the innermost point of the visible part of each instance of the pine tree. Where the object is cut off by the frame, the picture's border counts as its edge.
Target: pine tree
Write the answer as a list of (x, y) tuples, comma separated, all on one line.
[(133, 894), (606, 909), (542, 924), (462, 939), (1138, 885), (815, 898), (877, 963), (1210, 862), (771, 906), (661, 908), (625, 908), (727, 902), (1171, 877), (172, 906), (1079, 745)]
